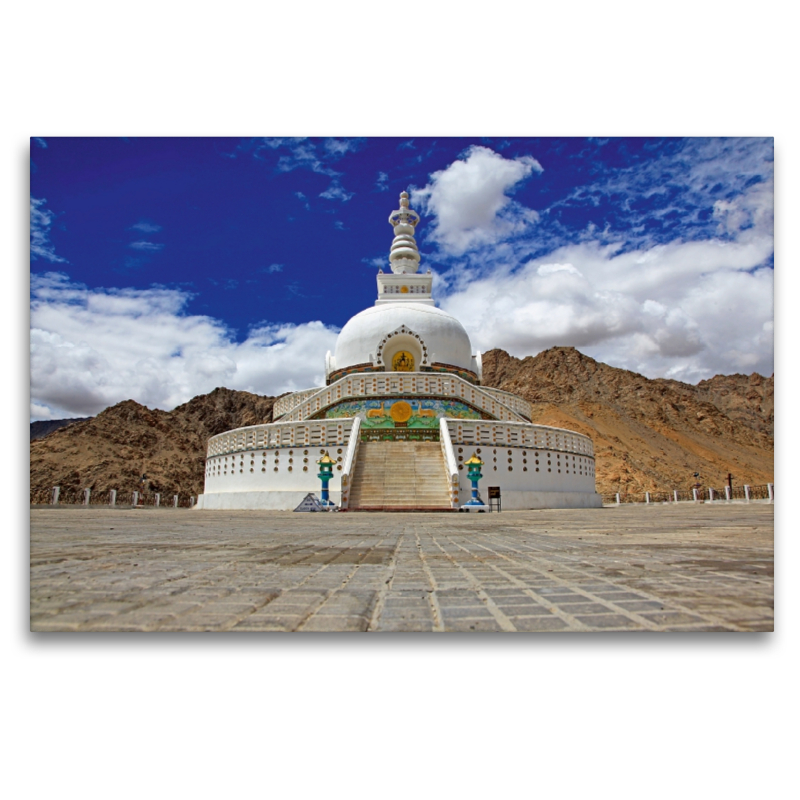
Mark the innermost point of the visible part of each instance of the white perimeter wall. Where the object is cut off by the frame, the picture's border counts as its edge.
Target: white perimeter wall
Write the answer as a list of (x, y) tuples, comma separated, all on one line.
[(522, 469), (285, 469)]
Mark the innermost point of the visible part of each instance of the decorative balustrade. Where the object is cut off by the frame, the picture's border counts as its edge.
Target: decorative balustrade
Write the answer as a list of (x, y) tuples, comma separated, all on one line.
[(314, 433), (286, 403), (509, 434), (500, 405), (513, 401)]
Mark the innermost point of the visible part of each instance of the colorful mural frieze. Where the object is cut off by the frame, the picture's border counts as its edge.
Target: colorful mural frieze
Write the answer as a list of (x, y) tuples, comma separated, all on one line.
[(391, 412)]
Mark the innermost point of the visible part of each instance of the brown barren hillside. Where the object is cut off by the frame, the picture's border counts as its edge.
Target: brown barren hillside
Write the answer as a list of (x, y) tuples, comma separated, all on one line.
[(114, 449), (648, 434)]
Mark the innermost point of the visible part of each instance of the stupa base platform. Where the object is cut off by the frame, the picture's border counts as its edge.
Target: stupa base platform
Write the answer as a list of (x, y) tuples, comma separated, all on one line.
[(404, 509)]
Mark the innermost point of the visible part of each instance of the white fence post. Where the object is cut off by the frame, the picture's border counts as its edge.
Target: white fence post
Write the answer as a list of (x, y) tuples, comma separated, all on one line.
[(694, 494), (135, 500), (191, 501), (617, 498), (56, 493), (158, 499), (728, 493), (647, 497), (112, 497), (710, 494), (747, 493), (87, 493), (771, 492), (174, 501), (675, 494)]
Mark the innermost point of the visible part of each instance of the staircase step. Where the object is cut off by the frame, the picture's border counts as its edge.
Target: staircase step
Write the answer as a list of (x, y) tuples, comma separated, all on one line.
[(399, 475)]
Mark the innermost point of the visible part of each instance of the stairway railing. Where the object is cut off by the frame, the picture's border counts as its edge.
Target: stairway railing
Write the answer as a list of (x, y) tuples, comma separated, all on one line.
[(350, 462), (450, 462)]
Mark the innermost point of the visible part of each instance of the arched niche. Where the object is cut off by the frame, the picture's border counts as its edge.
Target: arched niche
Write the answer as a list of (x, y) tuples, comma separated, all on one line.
[(400, 347)]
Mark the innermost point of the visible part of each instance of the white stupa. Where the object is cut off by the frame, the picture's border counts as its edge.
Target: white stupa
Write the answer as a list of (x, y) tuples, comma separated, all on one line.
[(401, 414)]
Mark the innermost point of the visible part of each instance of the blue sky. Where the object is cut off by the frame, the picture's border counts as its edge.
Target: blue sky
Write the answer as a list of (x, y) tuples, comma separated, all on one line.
[(164, 267)]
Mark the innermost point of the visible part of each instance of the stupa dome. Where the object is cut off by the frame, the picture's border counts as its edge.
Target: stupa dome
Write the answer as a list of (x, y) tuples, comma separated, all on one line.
[(427, 333)]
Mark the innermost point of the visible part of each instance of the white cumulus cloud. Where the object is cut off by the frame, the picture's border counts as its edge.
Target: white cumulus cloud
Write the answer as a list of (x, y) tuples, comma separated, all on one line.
[(469, 199), (687, 311), (91, 348)]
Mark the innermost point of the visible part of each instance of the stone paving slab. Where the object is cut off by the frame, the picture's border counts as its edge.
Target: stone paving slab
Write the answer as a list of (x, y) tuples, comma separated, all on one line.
[(632, 568)]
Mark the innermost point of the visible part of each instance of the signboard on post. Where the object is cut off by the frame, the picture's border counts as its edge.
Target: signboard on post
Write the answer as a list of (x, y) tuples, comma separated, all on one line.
[(494, 497)]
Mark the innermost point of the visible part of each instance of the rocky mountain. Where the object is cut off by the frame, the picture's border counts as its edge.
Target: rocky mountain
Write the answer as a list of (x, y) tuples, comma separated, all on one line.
[(42, 427), (648, 435), (114, 449)]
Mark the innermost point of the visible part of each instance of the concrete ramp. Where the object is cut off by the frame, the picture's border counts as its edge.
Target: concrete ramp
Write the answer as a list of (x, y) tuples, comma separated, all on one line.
[(399, 476)]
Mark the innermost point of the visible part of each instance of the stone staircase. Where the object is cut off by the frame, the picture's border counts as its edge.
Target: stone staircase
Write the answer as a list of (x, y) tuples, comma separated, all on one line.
[(399, 476)]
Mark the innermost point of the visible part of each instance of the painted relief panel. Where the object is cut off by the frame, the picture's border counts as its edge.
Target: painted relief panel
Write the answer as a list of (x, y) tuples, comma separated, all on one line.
[(395, 413)]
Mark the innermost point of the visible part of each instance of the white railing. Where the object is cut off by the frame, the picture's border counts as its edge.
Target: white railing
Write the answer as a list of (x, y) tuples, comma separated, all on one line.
[(450, 462), (350, 462), (286, 403), (316, 433), (505, 434), (513, 401), (366, 384)]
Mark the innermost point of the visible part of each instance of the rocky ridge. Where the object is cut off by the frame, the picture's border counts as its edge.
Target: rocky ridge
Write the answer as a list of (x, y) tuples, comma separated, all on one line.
[(114, 449), (648, 435)]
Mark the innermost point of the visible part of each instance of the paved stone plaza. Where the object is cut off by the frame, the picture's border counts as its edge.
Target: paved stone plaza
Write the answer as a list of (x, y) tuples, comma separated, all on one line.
[(633, 568)]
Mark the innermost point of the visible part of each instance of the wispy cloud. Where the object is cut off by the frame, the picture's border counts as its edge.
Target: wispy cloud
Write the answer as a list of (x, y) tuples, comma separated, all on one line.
[(272, 268), (336, 148), (145, 226), (146, 246), (303, 153), (336, 192), (339, 225), (688, 189), (41, 221), (382, 184)]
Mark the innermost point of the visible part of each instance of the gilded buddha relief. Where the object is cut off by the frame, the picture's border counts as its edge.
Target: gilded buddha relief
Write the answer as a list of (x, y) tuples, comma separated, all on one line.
[(403, 361)]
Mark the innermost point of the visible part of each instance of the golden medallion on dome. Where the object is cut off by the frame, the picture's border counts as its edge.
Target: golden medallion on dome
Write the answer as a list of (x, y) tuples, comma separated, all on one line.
[(404, 290), (400, 411), (403, 362)]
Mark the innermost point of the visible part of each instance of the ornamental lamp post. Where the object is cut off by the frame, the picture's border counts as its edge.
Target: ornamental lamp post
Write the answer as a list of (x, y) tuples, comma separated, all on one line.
[(474, 465), (325, 474)]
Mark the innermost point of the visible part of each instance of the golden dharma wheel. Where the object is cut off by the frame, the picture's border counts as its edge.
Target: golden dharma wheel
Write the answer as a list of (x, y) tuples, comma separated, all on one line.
[(400, 411)]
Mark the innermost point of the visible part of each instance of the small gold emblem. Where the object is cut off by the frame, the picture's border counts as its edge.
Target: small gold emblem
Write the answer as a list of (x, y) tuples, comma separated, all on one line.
[(403, 362)]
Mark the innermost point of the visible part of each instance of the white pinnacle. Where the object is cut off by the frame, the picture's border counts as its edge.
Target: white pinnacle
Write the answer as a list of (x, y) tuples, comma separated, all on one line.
[(404, 254)]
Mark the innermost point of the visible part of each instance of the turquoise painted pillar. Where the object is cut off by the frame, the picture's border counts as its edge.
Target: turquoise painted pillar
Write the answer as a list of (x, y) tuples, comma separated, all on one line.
[(325, 474), (474, 466)]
